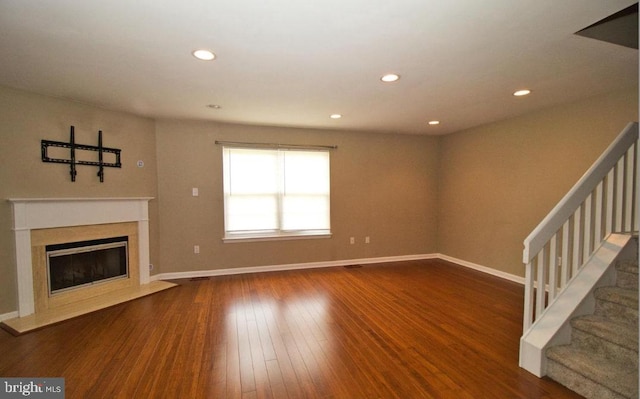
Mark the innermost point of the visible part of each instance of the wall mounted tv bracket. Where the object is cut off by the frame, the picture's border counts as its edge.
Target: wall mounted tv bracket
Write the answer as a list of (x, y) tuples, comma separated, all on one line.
[(73, 147)]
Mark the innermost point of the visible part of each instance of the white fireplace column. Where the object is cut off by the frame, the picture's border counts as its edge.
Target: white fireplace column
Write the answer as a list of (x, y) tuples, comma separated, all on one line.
[(43, 213)]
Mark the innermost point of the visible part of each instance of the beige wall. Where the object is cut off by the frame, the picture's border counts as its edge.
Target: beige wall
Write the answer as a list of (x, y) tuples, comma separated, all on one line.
[(382, 186), (499, 180), (473, 195), (27, 119)]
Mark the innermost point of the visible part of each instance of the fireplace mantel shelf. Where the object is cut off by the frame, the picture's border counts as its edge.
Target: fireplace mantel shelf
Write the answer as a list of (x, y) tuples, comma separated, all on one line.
[(42, 213)]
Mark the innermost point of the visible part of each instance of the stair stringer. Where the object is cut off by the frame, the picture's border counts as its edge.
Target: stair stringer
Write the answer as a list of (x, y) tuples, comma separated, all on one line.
[(553, 327)]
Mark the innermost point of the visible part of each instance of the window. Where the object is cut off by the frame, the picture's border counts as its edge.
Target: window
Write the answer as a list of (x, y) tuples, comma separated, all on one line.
[(275, 193)]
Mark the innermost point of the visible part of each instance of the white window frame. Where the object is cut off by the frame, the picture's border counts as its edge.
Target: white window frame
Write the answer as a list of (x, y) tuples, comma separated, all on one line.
[(278, 233)]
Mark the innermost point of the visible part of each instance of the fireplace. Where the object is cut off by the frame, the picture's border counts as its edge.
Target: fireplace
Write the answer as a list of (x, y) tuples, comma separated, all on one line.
[(77, 264), (44, 226)]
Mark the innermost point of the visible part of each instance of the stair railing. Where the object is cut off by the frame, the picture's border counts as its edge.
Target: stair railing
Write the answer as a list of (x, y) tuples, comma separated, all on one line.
[(602, 202)]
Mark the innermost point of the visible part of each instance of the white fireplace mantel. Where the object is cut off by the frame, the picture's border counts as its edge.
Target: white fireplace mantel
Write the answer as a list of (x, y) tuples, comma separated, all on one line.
[(42, 213)]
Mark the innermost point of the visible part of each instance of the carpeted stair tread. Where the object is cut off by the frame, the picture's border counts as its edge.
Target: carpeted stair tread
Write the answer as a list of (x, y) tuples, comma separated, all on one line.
[(622, 296), (627, 274), (621, 378), (628, 266), (602, 360), (623, 334)]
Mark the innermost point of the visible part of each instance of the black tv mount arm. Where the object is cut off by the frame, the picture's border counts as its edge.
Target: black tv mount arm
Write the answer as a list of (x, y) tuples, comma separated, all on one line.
[(72, 161)]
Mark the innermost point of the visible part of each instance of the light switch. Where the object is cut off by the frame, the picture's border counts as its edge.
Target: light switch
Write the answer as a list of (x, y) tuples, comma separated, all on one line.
[(194, 191)]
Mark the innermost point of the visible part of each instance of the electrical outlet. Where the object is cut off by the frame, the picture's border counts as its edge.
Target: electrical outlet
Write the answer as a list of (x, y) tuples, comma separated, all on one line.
[(195, 192), (196, 249), (367, 240), (352, 240), (559, 260)]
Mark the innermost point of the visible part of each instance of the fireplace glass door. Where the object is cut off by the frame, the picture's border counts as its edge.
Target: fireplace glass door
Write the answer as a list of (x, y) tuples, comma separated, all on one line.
[(77, 264)]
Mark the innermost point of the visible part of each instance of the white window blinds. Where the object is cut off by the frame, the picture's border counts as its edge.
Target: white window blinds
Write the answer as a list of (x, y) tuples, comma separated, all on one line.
[(275, 192)]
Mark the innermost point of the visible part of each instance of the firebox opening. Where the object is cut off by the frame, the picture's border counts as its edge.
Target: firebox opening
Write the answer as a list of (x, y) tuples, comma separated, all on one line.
[(76, 264)]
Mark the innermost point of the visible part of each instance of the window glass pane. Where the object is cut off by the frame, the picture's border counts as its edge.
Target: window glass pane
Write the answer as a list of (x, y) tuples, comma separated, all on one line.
[(252, 171), (306, 172), (305, 213), (254, 212)]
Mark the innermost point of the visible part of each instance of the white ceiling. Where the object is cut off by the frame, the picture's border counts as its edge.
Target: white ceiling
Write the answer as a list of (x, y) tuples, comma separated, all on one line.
[(295, 62)]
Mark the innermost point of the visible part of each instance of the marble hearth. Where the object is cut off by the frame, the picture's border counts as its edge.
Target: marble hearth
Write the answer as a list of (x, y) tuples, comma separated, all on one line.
[(50, 221)]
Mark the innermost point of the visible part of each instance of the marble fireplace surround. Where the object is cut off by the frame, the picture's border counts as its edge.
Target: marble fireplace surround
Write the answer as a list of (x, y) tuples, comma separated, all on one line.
[(33, 214)]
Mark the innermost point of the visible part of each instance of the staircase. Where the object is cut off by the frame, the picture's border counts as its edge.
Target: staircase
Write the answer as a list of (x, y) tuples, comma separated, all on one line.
[(570, 262), (602, 359)]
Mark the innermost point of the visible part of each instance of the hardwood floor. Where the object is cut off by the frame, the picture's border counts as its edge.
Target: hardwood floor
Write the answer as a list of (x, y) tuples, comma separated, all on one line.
[(418, 329)]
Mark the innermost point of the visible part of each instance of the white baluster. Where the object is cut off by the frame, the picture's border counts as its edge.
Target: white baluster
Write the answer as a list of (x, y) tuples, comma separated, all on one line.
[(575, 259), (542, 280), (586, 230), (528, 297), (597, 226), (553, 268), (617, 227), (608, 219), (566, 266), (628, 195)]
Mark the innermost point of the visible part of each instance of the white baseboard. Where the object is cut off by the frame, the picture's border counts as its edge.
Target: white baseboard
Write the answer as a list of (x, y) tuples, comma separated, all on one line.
[(10, 315), (484, 269), (314, 265), (338, 263), (292, 266)]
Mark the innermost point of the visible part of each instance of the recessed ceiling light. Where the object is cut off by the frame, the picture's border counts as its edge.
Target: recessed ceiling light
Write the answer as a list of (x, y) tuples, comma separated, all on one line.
[(214, 106), (433, 123), (522, 92), (335, 116), (204, 55), (390, 77)]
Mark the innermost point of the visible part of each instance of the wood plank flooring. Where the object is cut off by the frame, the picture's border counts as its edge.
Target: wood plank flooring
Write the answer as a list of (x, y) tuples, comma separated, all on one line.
[(418, 329)]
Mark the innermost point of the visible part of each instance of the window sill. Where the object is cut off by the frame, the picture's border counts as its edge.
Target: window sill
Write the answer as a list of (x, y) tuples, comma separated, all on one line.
[(282, 237)]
